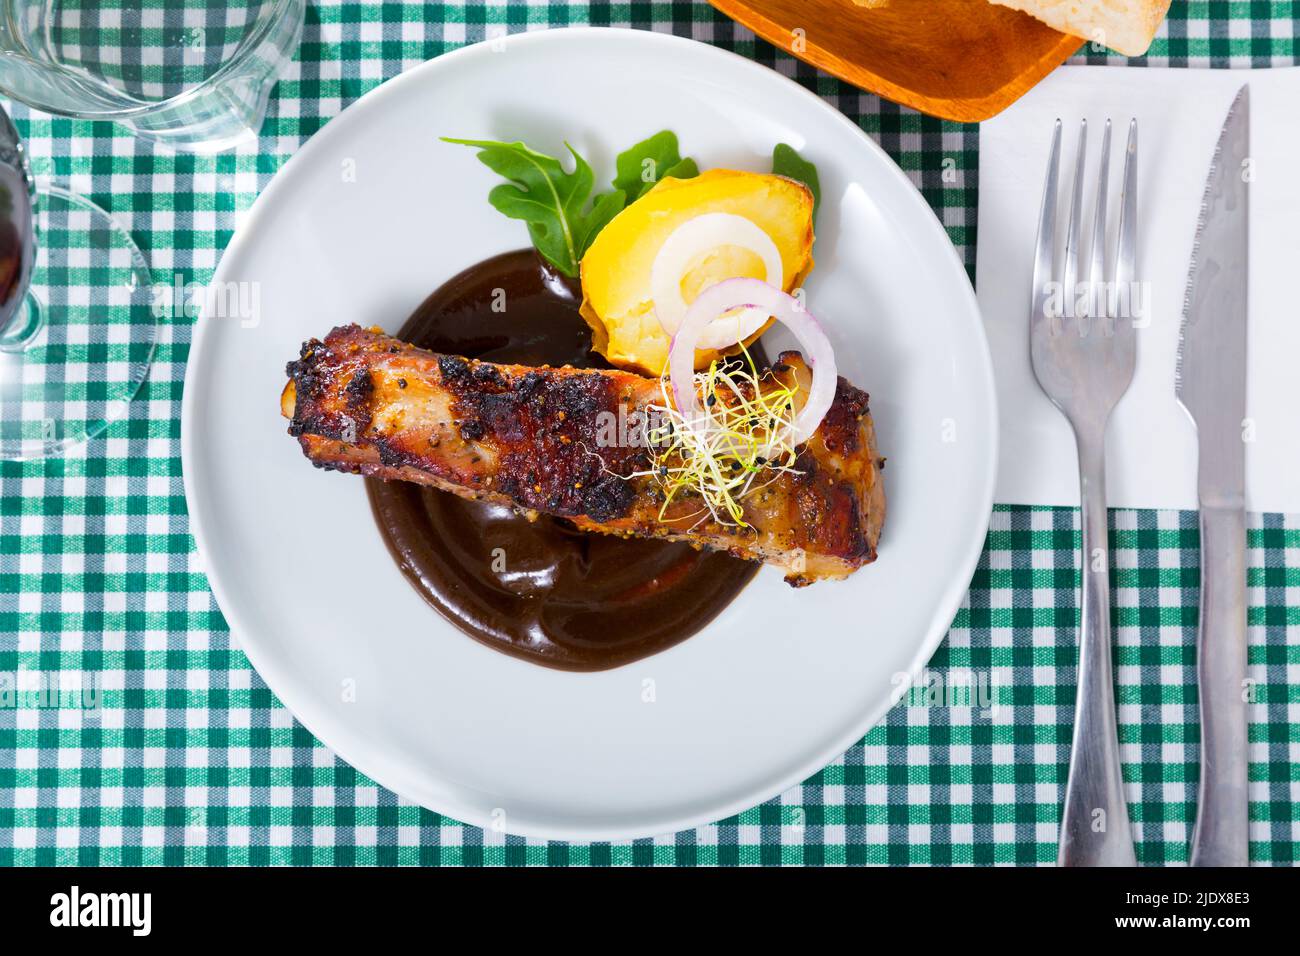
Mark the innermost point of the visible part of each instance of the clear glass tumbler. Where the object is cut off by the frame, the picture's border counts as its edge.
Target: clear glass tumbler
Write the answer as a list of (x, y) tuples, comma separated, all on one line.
[(192, 74)]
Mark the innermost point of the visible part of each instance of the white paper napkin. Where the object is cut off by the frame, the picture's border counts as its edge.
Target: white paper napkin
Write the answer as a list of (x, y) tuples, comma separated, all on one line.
[(1151, 445)]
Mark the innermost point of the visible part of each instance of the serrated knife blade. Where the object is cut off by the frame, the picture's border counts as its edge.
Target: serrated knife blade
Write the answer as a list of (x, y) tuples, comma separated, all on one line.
[(1210, 381)]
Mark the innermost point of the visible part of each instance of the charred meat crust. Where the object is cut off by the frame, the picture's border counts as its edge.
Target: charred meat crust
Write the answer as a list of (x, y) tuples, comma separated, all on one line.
[(538, 439), (542, 423)]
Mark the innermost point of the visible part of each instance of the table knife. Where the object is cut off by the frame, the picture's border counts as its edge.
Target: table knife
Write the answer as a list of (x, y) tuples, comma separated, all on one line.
[(1210, 381)]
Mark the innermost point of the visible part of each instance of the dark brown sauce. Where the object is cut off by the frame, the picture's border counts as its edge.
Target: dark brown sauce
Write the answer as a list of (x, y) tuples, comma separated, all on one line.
[(539, 590)]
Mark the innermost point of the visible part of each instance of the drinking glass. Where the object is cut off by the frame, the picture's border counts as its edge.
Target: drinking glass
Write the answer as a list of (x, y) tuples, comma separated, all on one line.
[(191, 74), (77, 321)]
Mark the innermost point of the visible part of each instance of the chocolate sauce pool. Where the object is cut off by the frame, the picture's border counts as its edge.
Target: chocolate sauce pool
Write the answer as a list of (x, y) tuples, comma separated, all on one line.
[(538, 590)]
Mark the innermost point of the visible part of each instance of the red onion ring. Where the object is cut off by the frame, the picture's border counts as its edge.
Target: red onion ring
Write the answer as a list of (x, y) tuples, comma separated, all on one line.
[(744, 293)]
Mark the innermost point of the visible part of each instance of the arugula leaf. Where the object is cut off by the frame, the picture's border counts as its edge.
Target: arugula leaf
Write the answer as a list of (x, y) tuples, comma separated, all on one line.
[(551, 201), (686, 169), (554, 204), (787, 162), (603, 209), (649, 161)]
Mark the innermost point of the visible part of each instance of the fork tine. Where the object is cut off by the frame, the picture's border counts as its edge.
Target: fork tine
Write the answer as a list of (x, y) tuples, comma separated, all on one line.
[(1073, 235), (1125, 272), (1097, 259), (1045, 246)]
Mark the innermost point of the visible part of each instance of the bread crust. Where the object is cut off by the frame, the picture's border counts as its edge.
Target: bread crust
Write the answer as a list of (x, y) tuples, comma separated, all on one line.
[(1126, 26)]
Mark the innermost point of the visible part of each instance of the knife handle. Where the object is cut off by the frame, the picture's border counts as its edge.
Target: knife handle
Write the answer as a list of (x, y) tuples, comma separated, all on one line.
[(1094, 826), (1221, 835)]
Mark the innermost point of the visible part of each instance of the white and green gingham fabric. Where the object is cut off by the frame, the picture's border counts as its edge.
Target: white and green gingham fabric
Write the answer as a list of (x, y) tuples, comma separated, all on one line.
[(186, 756)]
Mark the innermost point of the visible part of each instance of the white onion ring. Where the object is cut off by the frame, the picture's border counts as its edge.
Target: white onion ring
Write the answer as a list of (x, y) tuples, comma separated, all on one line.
[(786, 309), (687, 241)]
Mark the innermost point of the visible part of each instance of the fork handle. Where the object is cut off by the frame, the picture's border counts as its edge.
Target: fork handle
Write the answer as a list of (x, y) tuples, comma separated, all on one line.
[(1095, 826), (1220, 837)]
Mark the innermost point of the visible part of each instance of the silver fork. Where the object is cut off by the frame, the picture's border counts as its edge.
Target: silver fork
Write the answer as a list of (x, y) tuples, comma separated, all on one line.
[(1084, 362)]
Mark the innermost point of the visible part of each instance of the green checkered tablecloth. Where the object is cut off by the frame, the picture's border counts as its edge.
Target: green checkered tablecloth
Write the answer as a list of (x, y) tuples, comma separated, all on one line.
[(189, 758)]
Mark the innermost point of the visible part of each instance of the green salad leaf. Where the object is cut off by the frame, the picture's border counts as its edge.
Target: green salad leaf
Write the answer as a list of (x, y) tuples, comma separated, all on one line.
[(649, 161), (552, 202), (787, 162), (562, 216)]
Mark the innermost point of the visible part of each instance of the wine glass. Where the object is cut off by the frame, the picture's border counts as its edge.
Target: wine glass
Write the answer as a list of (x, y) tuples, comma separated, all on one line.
[(77, 325)]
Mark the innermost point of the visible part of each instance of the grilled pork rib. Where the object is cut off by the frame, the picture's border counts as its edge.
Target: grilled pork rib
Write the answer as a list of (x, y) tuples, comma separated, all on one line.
[(365, 403)]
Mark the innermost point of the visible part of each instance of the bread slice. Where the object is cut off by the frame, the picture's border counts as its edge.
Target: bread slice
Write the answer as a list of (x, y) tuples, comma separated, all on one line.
[(1125, 26)]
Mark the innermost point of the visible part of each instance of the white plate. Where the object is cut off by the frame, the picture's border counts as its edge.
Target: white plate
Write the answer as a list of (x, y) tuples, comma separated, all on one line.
[(360, 226)]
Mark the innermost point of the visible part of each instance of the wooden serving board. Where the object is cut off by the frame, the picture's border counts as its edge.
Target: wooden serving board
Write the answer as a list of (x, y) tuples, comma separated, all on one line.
[(958, 59)]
